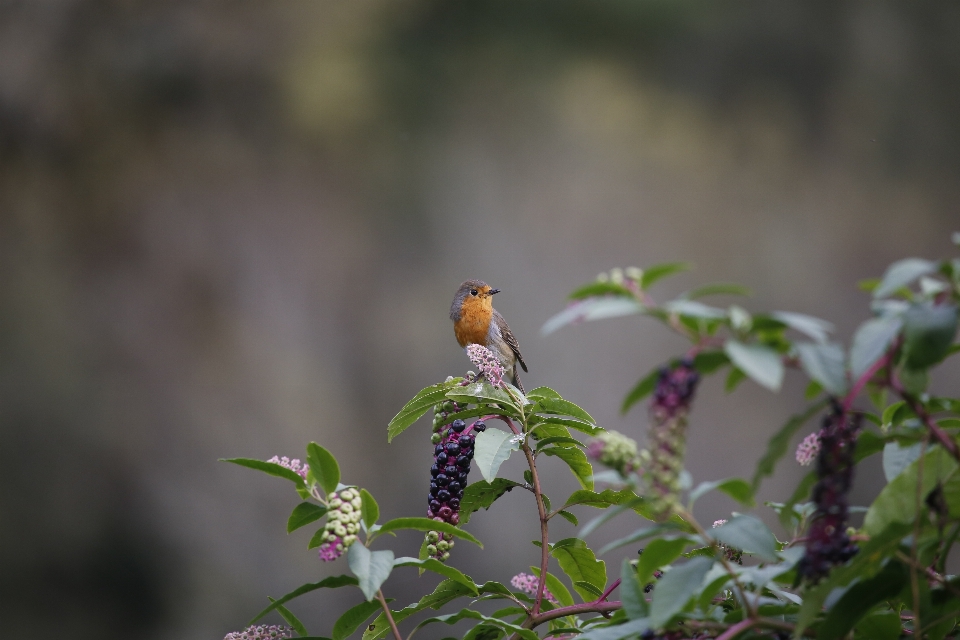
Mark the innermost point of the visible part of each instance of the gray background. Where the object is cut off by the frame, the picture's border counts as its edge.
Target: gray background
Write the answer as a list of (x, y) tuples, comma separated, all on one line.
[(229, 229)]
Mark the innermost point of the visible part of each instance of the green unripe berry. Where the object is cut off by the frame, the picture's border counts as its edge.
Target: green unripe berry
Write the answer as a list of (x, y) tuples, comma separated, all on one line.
[(445, 557), (431, 549), (448, 537), (436, 438), (443, 545), (335, 502), (432, 537)]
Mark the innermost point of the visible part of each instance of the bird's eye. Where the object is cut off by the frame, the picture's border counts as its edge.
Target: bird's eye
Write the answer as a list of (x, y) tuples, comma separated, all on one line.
[(473, 292)]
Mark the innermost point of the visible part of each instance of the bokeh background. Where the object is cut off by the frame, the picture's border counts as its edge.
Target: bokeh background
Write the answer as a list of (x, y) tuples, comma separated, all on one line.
[(227, 229)]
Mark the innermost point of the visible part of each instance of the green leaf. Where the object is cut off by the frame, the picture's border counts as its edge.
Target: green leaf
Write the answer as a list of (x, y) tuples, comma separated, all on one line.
[(897, 458), (882, 625), (562, 441), (353, 618), (750, 535), (581, 565), (706, 362), (639, 534), (481, 495), (369, 509), (641, 390), (372, 568), (897, 502), (928, 333), (737, 488), (551, 423), (629, 629), (419, 405), (290, 619), (491, 449), (860, 598), (631, 592), (303, 514), (446, 592), (717, 289), (424, 524), (577, 462), (432, 564), (758, 361), (318, 538), (825, 364), (561, 407), (659, 553), (600, 288), (675, 589), (332, 582), (557, 588), (780, 442), (469, 614), (902, 273), (660, 271), (569, 517), (543, 392), (269, 467), (601, 500), (323, 467), (593, 309), (483, 392), (734, 378), (810, 326), (694, 309), (871, 341)]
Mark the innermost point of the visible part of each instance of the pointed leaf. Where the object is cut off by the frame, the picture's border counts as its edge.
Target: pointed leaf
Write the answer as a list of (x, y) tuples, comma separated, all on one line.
[(629, 629), (419, 405), (372, 568), (593, 309), (928, 334), (561, 407), (897, 458), (860, 598), (557, 588), (825, 364), (600, 288), (481, 495), (631, 592), (737, 488), (902, 273), (323, 467), (660, 271), (758, 361), (424, 524), (810, 326), (577, 462), (694, 309), (491, 449), (352, 619), (484, 393), (369, 509), (641, 390), (659, 553), (601, 500), (269, 467), (676, 588), (897, 502), (446, 592), (432, 564), (581, 565), (871, 341), (303, 514), (332, 582), (290, 619)]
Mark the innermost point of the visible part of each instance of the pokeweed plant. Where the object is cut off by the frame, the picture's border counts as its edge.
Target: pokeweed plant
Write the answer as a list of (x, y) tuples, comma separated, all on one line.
[(735, 579)]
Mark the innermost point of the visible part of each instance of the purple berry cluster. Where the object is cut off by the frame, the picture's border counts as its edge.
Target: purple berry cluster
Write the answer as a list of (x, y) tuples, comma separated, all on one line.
[(452, 455), (827, 541), (666, 447)]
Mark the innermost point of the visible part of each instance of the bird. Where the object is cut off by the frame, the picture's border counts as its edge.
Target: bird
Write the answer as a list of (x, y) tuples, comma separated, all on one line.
[(475, 321)]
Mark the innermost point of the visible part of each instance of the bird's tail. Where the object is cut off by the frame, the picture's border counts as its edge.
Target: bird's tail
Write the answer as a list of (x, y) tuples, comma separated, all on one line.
[(517, 384)]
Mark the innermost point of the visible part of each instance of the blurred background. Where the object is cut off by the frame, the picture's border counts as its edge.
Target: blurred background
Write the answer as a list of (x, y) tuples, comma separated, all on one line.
[(228, 229)]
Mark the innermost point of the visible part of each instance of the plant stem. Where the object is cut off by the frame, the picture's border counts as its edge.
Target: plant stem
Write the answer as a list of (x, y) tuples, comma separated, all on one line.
[(942, 437), (544, 530), (864, 379), (737, 629), (572, 610), (386, 612)]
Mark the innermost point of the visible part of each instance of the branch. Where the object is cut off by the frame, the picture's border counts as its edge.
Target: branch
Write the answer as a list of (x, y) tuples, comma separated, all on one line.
[(386, 612), (572, 610)]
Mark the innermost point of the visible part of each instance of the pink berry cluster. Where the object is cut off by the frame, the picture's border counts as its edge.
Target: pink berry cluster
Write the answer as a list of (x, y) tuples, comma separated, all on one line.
[(487, 363), (294, 465), (343, 524), (261, 632), (529, 583), (827, 541), (615, 450), (808, 449)]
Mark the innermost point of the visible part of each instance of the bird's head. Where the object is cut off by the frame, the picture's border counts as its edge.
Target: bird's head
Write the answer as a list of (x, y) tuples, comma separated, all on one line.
[(472, 294)]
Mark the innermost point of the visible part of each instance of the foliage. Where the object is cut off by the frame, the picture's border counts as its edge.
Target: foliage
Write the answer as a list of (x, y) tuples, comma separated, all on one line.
[(823, 579)]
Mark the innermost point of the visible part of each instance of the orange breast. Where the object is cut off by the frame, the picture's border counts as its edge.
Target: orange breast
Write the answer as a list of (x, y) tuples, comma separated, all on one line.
[(473, 325)]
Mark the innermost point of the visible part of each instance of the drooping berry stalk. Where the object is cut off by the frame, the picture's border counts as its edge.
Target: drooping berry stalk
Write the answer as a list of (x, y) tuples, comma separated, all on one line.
[(827, 541), (663, 458)]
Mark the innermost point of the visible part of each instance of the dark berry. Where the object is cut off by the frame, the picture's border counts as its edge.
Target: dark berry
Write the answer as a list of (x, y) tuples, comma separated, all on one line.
[(453, 448), (458, 425), (435, 505), (451, 470), (443, 495), (468, 453), (434, 488), (434, 470), (462, 478), (463, 461), (437, 450), (454, 503), (479, 426), (445, 512), (443, 480), (465, 441), (441, 459), (454, 487)]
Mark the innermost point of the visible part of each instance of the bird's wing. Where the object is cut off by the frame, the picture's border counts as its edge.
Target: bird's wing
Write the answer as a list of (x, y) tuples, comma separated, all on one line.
[(509, 338)]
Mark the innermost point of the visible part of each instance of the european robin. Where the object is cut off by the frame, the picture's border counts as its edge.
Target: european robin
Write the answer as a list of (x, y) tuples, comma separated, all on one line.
[(475, 321)]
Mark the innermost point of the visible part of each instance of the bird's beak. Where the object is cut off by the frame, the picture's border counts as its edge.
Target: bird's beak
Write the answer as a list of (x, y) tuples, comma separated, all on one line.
[(493, 291)]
